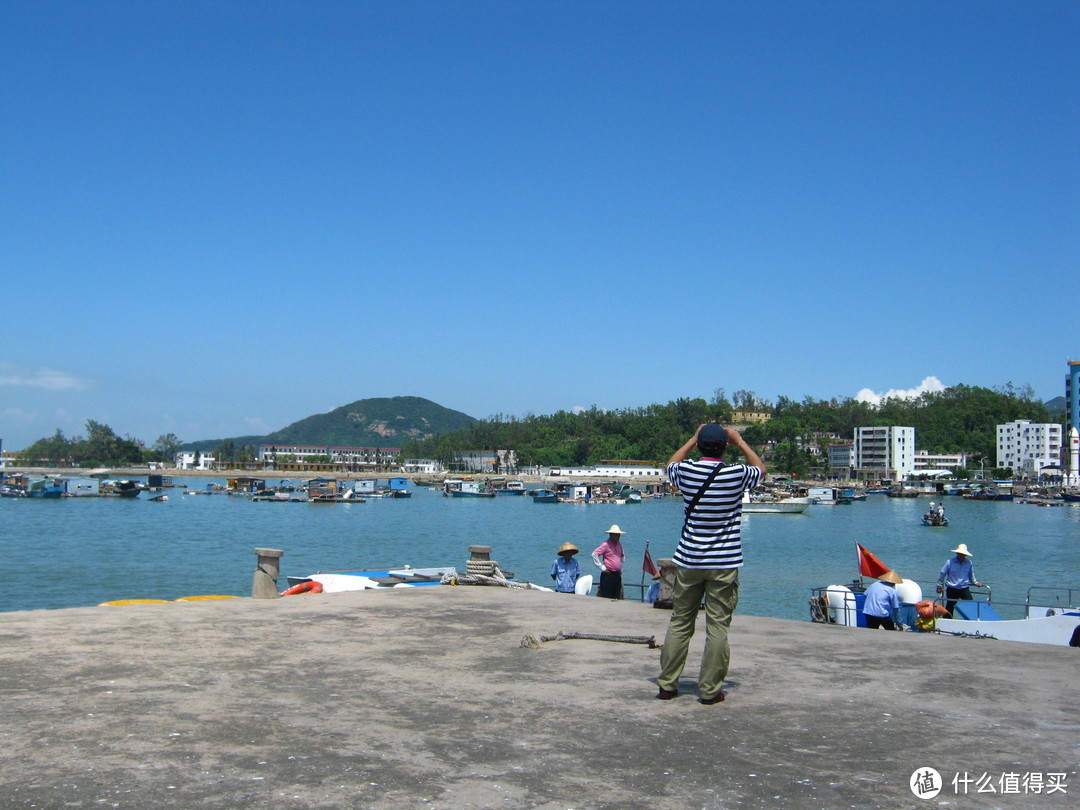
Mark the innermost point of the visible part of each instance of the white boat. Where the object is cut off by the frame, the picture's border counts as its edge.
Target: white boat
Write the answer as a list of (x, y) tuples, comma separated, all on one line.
[(1055, 621), (769, 504), (406, 577), (1050, 619)]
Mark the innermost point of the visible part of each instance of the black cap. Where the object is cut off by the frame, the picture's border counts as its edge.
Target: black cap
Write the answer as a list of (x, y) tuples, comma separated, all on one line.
[(712, 440)]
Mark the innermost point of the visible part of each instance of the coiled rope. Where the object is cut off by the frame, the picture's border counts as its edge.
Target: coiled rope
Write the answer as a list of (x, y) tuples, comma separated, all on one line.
[(481, 579), (535, 642)]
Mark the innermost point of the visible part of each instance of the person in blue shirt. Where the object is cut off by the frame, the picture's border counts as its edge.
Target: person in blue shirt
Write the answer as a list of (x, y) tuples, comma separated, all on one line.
[(882, 605), (566, 570), (957, 576)]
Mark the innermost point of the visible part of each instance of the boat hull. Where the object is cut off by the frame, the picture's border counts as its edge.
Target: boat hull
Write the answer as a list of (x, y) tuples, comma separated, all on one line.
[(789, 506)]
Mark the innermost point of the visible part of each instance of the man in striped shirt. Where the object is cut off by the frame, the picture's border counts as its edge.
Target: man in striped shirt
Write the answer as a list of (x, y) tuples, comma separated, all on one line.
[(708, 556)]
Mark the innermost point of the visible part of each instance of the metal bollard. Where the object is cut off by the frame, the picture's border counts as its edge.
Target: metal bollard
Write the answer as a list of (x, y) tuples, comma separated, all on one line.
[(264, 586)]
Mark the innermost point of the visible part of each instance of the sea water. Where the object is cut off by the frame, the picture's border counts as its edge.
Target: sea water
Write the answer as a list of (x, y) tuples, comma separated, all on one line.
[(74, 552)]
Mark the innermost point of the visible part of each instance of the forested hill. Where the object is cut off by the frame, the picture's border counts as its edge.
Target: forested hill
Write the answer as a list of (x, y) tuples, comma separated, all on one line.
[(959, 419), (377, 422)]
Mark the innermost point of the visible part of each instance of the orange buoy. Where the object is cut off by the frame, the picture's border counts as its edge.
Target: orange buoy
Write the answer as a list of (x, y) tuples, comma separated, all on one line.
[(928, 610), (304, 587)]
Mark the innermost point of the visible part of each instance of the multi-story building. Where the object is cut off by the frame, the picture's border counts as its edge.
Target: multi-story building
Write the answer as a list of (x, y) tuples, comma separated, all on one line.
[(1072, 396), (925, 460), (191, 460), (1072, 422), (842, 458), (289, 456), (884, 452), (1027, 447)]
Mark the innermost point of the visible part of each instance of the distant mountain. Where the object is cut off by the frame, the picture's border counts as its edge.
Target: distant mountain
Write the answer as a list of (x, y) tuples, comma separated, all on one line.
[(379, 422), (1055, 404)]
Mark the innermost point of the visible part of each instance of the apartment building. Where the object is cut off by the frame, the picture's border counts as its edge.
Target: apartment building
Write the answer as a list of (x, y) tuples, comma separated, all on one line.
[(884, 452), (1026, 447)]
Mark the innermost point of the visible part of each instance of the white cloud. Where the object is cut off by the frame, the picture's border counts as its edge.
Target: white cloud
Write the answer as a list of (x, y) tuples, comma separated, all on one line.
[(47, 378), (258, 424), (929, 384), (578, 409)]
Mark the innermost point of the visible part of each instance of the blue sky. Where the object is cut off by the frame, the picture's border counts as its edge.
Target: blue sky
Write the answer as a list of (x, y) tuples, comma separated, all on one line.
[(217, 218)]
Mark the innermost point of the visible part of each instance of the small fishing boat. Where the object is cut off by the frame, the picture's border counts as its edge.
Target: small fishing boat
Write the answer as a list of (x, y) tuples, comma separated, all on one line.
[(935, 516), (471, 489), (509, 488), (1049, 614), (544, 496), (122, 489), (339, 581), (772, 505)]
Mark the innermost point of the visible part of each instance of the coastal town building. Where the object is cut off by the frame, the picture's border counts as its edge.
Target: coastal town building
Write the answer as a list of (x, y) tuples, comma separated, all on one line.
[(925, 461), (1027, 447), (842, 458), (609, 469), (884, 452), (486, 461), (1071, 462), (194, 460), (748, 417), (421, 466), (325, 457)]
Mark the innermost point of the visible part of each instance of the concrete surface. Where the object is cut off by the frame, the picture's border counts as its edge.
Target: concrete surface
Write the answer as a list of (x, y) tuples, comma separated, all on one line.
[(423, 697)]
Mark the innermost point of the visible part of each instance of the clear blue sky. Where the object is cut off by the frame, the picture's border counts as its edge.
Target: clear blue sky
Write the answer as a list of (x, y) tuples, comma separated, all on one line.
[(217, 218)]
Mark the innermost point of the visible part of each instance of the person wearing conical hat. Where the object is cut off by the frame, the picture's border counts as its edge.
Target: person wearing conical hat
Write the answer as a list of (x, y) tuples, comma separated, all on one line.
[(566, 570), (882, 605), (956, 578), (609, 557)]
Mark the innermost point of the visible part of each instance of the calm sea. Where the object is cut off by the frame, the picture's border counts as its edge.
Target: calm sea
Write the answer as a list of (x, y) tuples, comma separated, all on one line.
[(82, 551)]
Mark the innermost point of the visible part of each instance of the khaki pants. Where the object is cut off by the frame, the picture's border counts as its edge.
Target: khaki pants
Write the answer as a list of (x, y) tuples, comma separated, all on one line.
[(720, 589)]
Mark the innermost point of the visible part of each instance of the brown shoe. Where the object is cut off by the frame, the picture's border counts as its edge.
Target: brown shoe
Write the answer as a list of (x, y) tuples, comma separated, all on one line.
[(665, 694), (717, 698)]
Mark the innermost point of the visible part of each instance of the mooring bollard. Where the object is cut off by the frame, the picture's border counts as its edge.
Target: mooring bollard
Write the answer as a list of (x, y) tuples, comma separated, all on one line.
[(264, 586), (480, 561)]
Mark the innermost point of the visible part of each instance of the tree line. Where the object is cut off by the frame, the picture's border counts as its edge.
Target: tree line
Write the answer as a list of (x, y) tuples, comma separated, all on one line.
[(960, 419), (102, 447)]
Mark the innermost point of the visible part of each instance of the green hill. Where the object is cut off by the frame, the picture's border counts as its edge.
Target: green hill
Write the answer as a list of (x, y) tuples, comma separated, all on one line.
[(378, 422)]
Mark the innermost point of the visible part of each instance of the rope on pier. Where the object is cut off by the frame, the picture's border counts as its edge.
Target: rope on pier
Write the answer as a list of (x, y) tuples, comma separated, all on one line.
[(482, 579), (535, 642)]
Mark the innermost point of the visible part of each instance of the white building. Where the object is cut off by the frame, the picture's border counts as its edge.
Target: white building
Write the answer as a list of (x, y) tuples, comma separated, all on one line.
[(190, 460), (608, 470), (1026, 447), (925, 461), (422, 466), (351, 457), (884, 452)]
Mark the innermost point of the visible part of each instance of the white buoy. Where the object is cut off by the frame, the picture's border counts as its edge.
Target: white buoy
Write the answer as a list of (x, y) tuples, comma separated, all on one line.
[(909, 591), (842, 609)]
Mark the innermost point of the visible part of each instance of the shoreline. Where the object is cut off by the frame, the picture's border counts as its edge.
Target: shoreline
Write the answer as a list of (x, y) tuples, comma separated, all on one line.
[(418, 479)]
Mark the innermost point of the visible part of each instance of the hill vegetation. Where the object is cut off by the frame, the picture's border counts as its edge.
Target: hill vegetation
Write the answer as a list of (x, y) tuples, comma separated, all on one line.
[(958, 419), (376, 422)]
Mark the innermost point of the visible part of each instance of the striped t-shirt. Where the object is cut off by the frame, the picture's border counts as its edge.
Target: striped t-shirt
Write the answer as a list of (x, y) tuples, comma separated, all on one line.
[(710, 537)]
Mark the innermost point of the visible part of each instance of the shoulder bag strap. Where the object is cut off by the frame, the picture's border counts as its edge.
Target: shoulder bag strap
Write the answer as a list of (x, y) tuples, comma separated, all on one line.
[(701, 491)]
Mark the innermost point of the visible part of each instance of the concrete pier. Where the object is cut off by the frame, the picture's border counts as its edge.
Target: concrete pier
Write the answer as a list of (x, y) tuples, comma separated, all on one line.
[(423, 697)]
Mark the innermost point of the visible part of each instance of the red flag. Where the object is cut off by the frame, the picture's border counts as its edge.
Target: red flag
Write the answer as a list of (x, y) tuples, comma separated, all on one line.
[(648, 566), (869, 565)]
